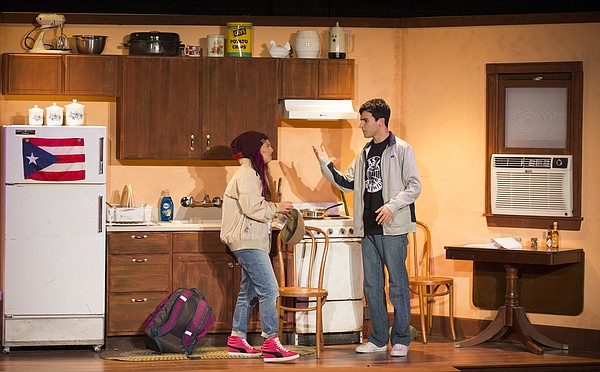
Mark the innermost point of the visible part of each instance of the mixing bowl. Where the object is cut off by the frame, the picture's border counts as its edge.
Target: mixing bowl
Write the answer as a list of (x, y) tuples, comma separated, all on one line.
[(89, 44)]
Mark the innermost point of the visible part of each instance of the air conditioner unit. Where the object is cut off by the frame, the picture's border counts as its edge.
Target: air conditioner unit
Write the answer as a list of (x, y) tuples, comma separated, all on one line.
[(532, 185)]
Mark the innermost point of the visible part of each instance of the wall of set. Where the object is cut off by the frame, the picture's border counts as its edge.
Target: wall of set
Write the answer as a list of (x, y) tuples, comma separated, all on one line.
[(434, 80)]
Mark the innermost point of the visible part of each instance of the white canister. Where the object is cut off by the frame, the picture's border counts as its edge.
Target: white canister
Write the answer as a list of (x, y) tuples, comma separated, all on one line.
[(54, 115), (308, 44), (36, 115), (74, 113), (215, 45)]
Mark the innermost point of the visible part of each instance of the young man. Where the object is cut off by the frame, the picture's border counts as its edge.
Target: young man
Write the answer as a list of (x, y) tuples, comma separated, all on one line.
[(386, 183)]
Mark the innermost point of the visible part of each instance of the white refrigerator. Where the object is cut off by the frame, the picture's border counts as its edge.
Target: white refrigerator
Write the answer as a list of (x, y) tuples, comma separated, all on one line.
[(53, 235)]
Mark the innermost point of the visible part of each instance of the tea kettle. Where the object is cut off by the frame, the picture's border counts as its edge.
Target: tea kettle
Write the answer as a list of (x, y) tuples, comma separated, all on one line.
[(337, 41)]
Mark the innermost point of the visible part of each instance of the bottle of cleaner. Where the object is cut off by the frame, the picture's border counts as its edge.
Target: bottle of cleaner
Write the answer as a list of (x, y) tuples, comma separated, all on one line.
[(166, 207)]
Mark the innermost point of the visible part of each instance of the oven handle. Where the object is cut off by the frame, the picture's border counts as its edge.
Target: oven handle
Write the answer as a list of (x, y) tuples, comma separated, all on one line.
[(335, 240)]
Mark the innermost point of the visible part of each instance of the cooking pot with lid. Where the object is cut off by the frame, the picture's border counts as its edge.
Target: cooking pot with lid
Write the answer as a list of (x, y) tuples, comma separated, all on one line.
[(154, 43)]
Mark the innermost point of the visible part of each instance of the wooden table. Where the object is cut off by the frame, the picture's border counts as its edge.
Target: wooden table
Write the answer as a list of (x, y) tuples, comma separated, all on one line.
[(512, 317)]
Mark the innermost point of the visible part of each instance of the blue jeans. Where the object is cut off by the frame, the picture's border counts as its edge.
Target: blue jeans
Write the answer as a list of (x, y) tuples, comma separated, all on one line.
[(258, 281), (389, 251)]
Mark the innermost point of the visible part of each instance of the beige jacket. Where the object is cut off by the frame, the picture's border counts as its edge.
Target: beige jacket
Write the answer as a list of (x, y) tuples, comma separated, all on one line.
[(247, 216)]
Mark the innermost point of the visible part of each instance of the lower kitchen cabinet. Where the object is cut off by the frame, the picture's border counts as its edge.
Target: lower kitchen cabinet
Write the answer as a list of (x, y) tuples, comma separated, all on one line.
[(138, 279), (143, 268)]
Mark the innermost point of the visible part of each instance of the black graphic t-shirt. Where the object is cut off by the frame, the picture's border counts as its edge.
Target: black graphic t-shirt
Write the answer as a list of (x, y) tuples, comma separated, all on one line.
[(373, 196)]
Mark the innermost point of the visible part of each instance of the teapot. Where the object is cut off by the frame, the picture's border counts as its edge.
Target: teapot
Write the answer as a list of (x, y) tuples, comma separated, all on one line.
[(279, 51), (337, 41)]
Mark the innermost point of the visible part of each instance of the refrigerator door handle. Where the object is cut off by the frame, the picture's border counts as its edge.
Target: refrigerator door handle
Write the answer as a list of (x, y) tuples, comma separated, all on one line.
[(100, 217), (101, 155)]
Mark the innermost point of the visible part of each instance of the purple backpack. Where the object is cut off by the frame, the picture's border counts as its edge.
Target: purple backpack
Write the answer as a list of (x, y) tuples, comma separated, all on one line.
[(179, 322)]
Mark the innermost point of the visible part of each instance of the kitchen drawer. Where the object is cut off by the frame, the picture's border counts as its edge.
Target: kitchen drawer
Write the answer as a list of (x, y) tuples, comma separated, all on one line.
[(139, 242), (198, 242), (139, 272), (127, 313)]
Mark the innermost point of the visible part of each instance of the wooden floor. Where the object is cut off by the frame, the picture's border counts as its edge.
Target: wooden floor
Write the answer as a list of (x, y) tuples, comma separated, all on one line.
[(438, 355)]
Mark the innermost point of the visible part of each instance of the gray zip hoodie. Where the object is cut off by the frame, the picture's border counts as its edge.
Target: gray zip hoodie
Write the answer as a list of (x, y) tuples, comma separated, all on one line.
[(401, 185)]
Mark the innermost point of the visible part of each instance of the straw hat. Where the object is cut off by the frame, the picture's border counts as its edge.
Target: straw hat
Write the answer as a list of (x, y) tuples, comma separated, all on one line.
[(293, 230)]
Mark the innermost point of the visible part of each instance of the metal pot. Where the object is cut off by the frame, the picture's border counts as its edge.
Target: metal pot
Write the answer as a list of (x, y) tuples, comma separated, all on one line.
[(317, 213), (154, 43)]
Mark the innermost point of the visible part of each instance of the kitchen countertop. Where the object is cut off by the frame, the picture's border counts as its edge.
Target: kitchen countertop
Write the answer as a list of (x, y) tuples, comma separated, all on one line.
[(178, 225)]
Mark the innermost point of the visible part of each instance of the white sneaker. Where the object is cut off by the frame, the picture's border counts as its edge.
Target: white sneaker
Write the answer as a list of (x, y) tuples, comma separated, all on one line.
[(370, 347), (399, 350)]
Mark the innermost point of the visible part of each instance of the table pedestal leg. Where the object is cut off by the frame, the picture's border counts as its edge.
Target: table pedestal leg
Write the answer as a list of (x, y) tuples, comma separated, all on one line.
[(512, 318), (498, 325)]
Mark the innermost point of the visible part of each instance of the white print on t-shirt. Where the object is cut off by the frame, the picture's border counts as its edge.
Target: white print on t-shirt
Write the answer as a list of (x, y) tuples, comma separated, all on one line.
[(374, 182)]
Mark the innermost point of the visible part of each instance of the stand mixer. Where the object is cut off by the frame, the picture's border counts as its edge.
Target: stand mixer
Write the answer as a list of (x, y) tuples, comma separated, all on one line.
[(49, 21)]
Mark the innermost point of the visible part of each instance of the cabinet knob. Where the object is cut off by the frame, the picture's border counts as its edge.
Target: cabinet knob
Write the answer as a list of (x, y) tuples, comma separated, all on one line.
[(139, 237), (139, 300), (139, 260), (230, 265)]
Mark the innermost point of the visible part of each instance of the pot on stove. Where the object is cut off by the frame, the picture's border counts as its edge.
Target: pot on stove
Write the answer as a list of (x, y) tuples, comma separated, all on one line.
[(317, 213)]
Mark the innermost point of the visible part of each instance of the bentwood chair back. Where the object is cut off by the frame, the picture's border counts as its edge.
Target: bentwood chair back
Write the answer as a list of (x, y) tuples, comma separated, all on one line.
[(423, 284), (315, 253)]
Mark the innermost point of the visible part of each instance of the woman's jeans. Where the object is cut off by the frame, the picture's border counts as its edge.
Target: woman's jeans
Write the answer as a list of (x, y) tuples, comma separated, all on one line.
[(389, 251), (258, 283)]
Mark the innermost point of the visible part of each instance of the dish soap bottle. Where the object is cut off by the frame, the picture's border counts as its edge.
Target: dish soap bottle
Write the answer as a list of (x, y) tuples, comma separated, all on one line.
[(166, 207)]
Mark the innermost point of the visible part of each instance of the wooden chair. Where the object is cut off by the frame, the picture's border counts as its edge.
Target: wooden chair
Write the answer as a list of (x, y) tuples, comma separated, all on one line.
[(308, 288), (425, 286)]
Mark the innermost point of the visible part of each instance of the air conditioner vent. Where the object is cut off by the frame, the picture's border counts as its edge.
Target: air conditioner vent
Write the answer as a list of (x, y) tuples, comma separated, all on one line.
[(532, 185)]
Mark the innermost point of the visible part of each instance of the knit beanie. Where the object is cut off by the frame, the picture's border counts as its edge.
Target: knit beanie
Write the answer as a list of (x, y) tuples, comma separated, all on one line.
[(247, 142)]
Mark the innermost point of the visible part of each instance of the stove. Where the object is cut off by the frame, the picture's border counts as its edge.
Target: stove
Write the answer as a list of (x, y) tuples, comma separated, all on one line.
[(343, 311)]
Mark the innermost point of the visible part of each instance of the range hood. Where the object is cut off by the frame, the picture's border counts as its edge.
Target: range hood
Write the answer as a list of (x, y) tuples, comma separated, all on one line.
[(318, 109)]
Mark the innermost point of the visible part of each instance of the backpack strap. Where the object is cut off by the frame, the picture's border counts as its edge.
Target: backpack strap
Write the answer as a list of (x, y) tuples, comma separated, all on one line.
[(175, 312)]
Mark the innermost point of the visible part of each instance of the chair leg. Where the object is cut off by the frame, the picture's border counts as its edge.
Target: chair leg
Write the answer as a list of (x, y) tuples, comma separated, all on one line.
[(422, 313), (451, 299), (279, 317), (320, 344)]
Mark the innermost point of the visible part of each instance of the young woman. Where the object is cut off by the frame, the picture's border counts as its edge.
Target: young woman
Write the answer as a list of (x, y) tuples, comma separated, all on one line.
[(246, 229)]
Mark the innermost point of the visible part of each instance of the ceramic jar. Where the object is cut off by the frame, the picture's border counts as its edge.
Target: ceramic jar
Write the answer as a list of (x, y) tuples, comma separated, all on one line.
[(215, 45), (36, 115), (308, 44), (74, 113), (54, 115)]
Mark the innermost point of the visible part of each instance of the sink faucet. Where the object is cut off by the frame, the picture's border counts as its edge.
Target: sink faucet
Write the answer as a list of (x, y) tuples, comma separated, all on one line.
[(188, 201)]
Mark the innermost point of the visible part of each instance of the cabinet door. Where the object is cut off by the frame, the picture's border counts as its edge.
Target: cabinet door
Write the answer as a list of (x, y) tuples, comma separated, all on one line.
[(213, 274), (336, 79), (32, 74), (240, 94), (92, 75), (299, 79), (160, 107)]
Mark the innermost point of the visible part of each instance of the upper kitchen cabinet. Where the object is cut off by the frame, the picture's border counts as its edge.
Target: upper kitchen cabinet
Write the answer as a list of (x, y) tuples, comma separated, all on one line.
[(160, 108), (317, 79), (240, 94), (66, 74)]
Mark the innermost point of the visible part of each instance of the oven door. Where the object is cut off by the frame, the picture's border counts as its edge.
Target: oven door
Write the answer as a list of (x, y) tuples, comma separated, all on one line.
[(343, 311)]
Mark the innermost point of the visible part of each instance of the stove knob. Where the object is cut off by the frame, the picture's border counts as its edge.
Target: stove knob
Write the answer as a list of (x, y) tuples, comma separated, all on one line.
[(329, 231), (351, 230), (342, 231)]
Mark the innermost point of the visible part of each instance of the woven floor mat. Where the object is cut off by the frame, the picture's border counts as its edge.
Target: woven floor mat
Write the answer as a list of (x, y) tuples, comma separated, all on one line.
[(202, 353)]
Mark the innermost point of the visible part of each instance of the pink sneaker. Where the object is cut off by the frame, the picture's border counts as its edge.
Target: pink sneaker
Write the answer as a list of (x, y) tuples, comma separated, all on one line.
[(273, 351), (238, 346)]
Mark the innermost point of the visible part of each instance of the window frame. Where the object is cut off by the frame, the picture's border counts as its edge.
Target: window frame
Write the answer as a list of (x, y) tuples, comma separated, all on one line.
[(500, 76)]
